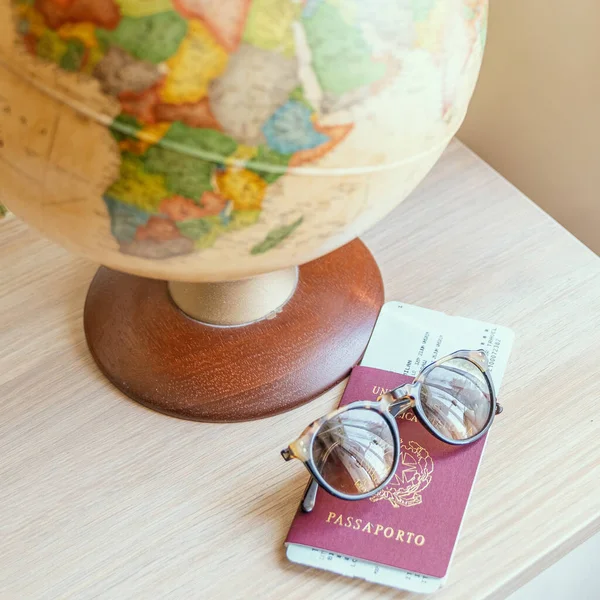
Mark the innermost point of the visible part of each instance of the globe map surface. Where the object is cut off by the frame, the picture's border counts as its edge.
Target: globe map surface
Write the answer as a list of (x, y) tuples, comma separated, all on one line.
[(210, 140)]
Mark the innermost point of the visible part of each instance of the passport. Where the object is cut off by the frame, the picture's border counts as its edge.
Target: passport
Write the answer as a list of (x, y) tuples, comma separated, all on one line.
[(406, 534)]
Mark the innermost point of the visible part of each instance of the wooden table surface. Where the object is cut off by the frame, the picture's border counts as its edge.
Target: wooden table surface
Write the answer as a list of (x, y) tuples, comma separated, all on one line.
[(100, 497)]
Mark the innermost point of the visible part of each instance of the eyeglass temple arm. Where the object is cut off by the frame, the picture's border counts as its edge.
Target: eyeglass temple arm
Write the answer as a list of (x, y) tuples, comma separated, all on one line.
[(310, 496)]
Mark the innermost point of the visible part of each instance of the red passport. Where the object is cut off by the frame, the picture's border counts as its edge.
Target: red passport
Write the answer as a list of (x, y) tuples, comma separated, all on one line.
[(412, 524)]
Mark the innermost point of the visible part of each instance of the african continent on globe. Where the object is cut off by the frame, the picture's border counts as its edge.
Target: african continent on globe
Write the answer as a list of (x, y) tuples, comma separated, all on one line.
[(206, 140)]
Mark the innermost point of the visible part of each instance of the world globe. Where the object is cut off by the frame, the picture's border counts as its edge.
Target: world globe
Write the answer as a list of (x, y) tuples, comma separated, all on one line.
[(212, 141)]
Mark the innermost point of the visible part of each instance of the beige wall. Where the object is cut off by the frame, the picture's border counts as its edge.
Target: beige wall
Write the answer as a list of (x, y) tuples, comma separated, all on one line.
[(535, 115)]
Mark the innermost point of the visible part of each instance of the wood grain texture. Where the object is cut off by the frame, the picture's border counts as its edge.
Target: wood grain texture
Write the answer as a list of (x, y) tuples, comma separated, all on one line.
[(100, 497), (171, 363)]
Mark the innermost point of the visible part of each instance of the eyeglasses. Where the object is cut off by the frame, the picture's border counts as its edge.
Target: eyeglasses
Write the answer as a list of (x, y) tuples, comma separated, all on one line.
[(353, 452)]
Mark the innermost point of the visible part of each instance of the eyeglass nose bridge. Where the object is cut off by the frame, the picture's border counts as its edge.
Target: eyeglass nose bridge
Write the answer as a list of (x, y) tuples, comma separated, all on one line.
[(399, 399)]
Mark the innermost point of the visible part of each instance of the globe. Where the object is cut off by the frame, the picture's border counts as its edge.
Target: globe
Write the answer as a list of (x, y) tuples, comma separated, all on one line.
[(212, 141)]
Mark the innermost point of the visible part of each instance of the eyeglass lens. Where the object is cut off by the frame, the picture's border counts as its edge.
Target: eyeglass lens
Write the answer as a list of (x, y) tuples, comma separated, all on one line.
[(456, 399), (354, 451)]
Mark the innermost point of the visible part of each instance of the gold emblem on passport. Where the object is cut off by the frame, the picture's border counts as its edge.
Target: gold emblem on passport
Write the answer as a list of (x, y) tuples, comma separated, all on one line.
[(412, 477)]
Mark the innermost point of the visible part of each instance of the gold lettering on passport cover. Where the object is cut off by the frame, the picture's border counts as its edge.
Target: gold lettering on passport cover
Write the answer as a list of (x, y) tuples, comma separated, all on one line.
[(399, 535)]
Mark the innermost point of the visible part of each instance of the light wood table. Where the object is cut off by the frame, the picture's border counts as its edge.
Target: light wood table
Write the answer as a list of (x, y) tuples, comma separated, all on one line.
[(100, 497)]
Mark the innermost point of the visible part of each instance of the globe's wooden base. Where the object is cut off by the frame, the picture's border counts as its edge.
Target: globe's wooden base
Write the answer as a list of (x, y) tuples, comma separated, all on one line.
[(171, 363)]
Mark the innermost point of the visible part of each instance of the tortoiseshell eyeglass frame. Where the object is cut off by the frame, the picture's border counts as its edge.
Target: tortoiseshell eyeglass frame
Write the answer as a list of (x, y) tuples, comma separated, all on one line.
[(389, 406)]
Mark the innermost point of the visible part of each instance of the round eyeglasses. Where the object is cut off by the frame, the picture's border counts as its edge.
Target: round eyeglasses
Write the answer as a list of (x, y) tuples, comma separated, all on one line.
[(353, 452)]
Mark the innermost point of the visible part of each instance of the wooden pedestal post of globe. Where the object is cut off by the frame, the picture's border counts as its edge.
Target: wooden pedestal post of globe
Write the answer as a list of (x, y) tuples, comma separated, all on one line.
[(216, 146)]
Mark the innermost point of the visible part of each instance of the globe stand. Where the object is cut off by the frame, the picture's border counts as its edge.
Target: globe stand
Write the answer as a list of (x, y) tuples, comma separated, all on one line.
[(280, 339)]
